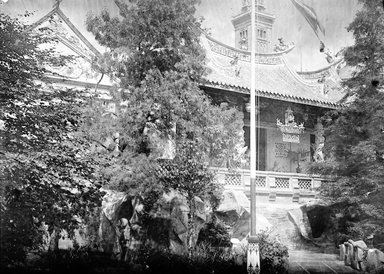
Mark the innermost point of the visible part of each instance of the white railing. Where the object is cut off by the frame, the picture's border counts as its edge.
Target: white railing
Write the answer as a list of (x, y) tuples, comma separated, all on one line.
[(269, 180)]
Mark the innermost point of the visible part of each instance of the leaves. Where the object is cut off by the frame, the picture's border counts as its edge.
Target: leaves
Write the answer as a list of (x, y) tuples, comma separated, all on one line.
[(154, 52), (47, 173), (156, 55), (354, 144)]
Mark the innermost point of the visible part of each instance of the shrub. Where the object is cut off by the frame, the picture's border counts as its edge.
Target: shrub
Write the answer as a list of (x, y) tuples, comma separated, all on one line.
[(273, 254), (215, 233)]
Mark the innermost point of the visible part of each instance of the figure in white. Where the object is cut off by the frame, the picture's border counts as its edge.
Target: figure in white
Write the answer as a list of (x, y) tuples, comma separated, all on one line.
[(318, 156)]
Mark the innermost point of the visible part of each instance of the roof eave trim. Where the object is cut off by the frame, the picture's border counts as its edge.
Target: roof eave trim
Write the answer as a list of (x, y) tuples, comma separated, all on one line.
[(271, 95), (245, 52), (61, 14), (301, 80), (334, 63), (78, 33)]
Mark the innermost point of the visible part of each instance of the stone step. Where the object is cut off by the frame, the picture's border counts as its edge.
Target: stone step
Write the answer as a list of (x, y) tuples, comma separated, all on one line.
[(304, 261)]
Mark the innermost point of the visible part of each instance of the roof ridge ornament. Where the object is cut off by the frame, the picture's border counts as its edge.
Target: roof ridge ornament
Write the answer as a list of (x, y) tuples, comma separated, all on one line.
[(282, 45), (56, 5)]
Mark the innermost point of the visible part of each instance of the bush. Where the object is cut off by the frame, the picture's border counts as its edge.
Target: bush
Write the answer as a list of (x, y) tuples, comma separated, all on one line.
[(273, 255), (205, 259), (215, 233)]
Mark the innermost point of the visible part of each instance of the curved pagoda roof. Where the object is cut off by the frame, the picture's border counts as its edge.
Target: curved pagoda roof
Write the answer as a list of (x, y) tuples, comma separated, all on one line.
[(229, 69)]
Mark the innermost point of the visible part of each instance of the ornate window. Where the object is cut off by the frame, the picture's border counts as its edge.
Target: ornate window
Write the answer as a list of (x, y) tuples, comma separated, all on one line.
[(262, 33), (244, 34), (244, 39)]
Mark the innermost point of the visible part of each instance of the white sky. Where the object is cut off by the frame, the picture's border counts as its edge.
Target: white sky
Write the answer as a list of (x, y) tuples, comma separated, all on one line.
[(335, 15)]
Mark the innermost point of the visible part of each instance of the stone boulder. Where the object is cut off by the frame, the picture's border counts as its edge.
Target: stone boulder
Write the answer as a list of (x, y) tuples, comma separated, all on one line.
[(359, 248), (115, 205), (174, 206), (234, 211), (356, 255), (299, 218), (374, 260), (104, 237), (170, 221)]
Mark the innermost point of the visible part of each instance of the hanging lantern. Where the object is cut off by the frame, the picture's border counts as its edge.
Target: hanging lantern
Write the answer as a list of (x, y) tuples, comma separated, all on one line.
[(290, 129)]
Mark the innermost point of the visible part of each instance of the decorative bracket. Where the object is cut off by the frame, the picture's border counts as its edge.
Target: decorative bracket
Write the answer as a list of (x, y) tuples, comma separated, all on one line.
[(253, 258)]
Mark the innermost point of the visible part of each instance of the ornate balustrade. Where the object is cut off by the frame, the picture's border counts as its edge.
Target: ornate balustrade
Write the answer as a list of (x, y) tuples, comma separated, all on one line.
[(272, 184)]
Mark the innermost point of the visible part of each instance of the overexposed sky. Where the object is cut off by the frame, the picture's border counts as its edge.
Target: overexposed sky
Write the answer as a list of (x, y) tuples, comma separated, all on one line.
[(335, 15)]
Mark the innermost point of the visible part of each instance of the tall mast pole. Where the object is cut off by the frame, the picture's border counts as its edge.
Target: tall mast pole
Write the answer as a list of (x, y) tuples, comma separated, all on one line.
[(253, 256), (253, 120)]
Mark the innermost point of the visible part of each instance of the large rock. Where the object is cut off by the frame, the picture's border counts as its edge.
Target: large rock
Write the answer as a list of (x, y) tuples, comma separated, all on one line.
[(115, 205), (170, 222), (174, 207), (300, 219), (359, 247), (375, 260), (234, 210)]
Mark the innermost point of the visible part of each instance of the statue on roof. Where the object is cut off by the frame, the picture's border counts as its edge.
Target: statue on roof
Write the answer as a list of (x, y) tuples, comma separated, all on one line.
[(282, 46), (330, 57), (235, 64)]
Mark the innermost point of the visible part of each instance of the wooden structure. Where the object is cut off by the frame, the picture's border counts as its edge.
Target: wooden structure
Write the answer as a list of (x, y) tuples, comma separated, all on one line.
[(283, 94)]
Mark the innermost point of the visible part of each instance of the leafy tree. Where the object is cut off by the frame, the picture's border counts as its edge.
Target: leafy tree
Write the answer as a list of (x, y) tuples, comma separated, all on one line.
[(354, 134), (158, 63), (47, 176), (190, 175)]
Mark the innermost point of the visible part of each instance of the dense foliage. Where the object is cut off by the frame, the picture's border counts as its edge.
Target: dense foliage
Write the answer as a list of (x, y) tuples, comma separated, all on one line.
[(354, 134), (206, 259), (162, 116), (215, 233), (47, 178)]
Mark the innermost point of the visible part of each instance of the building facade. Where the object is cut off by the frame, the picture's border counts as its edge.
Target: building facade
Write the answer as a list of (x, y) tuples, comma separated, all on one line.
[(289, 103), (289, 106)]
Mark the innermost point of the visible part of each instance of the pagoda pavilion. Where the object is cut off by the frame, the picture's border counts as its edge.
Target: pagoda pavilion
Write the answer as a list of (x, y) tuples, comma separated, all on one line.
[(289, 106), (289, 103)]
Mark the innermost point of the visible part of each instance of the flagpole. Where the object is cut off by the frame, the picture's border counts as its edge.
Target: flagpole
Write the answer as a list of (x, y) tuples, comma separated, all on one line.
[(253, 256)]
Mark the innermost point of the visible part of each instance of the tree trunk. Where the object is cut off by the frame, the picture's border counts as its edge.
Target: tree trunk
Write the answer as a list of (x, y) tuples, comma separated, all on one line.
[(191, 225)]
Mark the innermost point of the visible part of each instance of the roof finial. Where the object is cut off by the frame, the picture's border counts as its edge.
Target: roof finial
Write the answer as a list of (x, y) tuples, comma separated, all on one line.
[(57, 4), (245, 5)]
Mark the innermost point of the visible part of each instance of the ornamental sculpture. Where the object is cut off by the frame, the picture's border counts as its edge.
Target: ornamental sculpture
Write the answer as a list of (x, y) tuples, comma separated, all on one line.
[(318, 155), (290, 129), (282, 46)]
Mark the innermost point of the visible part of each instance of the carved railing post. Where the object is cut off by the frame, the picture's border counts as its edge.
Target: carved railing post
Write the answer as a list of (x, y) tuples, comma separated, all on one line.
[(253, 256)]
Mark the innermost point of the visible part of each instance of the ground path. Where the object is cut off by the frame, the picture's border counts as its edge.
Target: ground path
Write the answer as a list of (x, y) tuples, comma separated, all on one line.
[(304, 257), (308, 262)]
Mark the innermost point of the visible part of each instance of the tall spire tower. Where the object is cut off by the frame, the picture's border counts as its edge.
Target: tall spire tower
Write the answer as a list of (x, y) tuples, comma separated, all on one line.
[(264, 24)]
